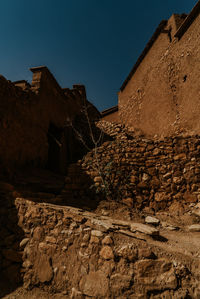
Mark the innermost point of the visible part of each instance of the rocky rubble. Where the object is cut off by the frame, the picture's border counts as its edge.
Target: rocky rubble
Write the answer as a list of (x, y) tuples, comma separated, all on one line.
[(136, 238), (143, 173), (83, 255)]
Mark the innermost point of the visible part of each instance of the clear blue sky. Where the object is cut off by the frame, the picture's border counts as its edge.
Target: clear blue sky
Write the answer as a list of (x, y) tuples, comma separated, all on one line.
[(91, 42)]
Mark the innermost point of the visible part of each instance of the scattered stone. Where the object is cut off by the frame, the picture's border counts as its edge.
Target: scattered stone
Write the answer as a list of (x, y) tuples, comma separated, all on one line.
[(194, 228), (152, 220), (24, 242), (96, 233), (128, 201), (144, 228)]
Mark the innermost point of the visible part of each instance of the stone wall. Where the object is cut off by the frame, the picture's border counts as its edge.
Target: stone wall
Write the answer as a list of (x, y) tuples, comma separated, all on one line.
[(34, 122), (147, 173), (83, 255), (161, 94)]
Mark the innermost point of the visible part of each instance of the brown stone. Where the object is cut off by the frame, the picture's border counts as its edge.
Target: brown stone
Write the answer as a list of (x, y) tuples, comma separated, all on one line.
[(176, 208), (128, 201), (189, 197), (107, 253), (144, 228), (38, 233), (107, 240), (133, 179), (155, 183), (43, 269), (159, 196), (155, 274), (181, 156), (94, 240), (145, 253), (95, 284), (127, 252)]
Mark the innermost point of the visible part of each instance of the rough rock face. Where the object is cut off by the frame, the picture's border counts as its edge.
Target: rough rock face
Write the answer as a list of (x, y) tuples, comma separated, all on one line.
[(143, 172), (84, 255)]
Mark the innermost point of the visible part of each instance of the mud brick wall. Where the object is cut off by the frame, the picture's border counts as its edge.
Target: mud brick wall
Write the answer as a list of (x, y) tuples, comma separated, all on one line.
[(34, 122), (147, 173), (162, 95)]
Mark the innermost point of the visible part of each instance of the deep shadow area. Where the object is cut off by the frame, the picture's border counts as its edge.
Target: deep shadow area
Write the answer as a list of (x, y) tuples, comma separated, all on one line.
[(54, 145), (11, 236), (74, 189)]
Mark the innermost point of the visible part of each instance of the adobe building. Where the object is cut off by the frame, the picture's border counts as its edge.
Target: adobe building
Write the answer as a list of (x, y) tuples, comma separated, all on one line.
[(39, 121), (161, 95), (110, 114)]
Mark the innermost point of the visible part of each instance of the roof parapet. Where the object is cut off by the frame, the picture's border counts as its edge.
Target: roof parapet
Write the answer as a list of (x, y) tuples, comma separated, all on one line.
[(109, 111), (145, 51), (188, 21)]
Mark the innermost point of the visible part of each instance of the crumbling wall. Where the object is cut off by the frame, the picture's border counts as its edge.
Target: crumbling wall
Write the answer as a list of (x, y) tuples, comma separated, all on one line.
[(28, 112), (82, 255), (162, 96), (146, 173)]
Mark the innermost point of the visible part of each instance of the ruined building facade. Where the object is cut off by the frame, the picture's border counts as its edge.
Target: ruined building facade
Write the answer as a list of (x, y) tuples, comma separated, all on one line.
[(161, 95), (37, 121)]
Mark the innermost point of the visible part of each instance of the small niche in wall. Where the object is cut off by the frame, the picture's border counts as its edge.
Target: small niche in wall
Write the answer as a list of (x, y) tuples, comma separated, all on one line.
[(185, 78)]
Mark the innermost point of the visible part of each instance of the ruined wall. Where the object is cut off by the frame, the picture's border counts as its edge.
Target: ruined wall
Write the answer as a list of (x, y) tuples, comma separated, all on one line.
[(27, 114), (83, 255), (162, 96), (111, 114), (147, 174)]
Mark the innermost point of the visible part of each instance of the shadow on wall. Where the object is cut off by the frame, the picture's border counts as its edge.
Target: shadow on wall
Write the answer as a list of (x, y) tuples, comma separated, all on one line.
[(11, 236)]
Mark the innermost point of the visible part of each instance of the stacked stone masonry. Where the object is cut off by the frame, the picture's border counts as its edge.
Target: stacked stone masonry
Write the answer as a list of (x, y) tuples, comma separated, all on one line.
[(83, 255), (151, 173)]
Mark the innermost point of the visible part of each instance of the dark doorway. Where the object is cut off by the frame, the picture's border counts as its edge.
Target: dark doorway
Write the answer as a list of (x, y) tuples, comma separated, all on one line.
[(55, 148)]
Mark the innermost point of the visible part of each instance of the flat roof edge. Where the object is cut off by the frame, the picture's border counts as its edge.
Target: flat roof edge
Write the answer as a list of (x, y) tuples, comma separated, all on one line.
[(109, 111), (188, 21), (144, 52)]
